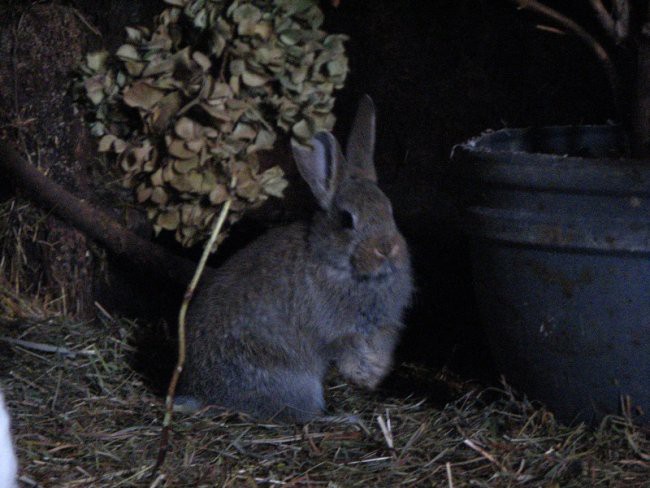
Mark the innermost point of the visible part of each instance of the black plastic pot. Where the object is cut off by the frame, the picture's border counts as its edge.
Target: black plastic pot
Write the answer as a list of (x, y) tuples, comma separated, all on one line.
[(560, 236)]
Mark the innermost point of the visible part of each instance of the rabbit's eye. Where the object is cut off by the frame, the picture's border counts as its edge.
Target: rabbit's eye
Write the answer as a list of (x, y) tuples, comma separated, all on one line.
[(346, 219)]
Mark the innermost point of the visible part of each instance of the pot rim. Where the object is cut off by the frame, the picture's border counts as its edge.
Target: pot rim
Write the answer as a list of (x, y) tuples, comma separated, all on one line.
[(510, 166)]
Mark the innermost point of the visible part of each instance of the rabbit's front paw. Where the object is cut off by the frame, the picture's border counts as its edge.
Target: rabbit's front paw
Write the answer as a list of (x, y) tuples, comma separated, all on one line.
[(364, 366)]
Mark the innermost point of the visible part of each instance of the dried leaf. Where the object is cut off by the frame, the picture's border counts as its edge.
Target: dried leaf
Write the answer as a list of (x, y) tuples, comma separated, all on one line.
[(190, 182), (186, 165), (96, 61), (264, 140), (106, 143), (127, 52), (248, 189), (177, 148), (273, 181), (220, 44), (159, 196), (164, 111), (168, 173), (247, 16), (253, 79), (196, 145), (157, 177), (202, 60), (168, 220), (290, 37), (218, 195), (134, 68), (158, 66), (134, 35), (143, 193), (301, 130), (208, 183), (263, 30), (337, 67), (220, 90), (218, 113), (97, 129), (244, 132), (142, 95), (119, 146), (237, 67), (186, 128), (134, 158), (95, 89), (190, 214)]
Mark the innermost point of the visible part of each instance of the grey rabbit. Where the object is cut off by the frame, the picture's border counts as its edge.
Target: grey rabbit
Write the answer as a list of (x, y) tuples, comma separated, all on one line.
[(262, 334)]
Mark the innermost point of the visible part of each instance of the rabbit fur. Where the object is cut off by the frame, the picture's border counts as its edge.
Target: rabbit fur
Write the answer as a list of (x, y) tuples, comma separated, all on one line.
[(266, 328)]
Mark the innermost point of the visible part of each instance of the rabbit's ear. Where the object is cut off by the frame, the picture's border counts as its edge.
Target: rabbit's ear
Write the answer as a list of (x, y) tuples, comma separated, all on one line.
[(320, 166), (360, 149)]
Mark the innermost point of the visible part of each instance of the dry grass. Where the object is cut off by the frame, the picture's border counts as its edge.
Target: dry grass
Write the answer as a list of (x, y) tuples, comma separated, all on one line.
[(20, 230), (83, 417), (26, 288)]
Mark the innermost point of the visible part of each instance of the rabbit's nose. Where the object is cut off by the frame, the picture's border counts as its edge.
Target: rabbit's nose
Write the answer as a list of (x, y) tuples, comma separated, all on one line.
[(386, 248), (379, 253)]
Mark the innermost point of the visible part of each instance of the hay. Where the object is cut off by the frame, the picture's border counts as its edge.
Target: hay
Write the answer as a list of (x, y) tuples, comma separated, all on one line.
[(83, 417), (21, 283), (44, 265)]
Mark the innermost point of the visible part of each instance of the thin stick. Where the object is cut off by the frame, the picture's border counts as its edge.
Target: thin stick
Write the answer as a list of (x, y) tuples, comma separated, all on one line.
[(189, 293), (485, 454), (617, 24), (622, 9), (38, 346), (85, 22), (386, 431), (597, 48), (606, 19), (450, 479)]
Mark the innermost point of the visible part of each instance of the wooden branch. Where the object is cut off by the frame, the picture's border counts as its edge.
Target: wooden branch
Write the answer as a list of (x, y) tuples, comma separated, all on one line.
[(574, 28), (616, 24), (622, 9), (92, 221), (606, 19)]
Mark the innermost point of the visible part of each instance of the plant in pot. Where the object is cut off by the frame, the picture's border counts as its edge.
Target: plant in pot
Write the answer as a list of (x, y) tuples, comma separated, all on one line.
[(559, 226)]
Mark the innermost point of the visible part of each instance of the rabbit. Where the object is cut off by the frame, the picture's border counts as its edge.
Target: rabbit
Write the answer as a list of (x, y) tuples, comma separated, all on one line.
[(277, 314), (8, 463)]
